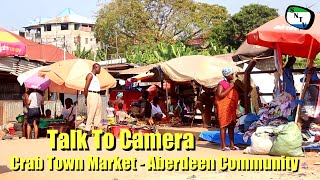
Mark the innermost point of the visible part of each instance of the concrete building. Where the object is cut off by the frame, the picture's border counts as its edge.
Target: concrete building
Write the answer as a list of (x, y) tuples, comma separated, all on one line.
[(67, 30)]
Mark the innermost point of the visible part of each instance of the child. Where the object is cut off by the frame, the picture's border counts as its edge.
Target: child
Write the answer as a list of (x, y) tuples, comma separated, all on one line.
[(48, 114), (110, 112), (121, 115)]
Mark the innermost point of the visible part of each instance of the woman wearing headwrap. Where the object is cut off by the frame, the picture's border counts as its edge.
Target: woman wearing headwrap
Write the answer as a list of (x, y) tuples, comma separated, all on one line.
[(118, 101), (227, 102)]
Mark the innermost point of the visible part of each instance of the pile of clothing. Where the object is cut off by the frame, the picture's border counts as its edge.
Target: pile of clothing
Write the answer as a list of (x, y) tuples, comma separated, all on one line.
[(312, 134), (277, 112)]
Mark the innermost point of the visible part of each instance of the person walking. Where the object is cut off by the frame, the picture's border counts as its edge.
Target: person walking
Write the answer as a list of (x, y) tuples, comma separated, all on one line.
[(93, 98), (227, 102)]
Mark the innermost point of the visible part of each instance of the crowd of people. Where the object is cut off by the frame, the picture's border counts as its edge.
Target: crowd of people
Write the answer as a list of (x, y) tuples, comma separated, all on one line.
[(224, 98)]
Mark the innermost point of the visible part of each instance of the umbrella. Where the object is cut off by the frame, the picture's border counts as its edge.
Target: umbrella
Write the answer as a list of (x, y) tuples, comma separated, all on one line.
[(31, 79), (26, 75), (69, 76), (36, 82), (206, 70), (278, 34), (10, 45)]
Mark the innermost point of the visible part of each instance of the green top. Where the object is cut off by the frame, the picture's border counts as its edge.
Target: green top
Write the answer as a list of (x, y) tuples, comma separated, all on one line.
[(177, 107)]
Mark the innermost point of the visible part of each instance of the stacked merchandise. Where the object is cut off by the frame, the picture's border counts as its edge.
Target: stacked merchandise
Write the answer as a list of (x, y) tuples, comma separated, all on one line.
[(271, 131), (277, 112)]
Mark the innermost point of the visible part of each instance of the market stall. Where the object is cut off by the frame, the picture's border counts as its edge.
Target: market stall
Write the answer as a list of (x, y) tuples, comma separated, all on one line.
[(273, 130)]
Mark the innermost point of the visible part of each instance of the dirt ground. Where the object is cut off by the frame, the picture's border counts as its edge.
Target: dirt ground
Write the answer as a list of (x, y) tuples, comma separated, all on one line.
[(41, 148)]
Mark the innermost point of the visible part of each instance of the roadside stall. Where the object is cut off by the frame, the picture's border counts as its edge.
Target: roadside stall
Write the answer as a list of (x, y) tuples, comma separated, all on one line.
[(202, 70), (274, 129)]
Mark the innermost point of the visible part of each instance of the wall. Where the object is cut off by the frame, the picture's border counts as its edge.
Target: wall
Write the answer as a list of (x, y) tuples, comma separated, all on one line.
[(71, 34), (9, 110)]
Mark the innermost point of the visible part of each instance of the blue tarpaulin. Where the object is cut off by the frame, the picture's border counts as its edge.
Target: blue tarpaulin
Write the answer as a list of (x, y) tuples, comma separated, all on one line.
[(214, 136)]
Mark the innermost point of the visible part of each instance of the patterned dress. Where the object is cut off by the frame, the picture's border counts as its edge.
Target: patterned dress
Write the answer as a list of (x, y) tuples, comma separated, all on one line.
[(227, 106)]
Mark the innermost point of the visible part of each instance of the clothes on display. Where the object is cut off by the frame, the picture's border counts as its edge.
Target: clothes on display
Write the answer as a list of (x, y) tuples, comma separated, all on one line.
[(277, 112)]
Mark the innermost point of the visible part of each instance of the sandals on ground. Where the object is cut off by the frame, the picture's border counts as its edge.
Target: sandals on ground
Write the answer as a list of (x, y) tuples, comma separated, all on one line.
[(225, 149), (235, 148)]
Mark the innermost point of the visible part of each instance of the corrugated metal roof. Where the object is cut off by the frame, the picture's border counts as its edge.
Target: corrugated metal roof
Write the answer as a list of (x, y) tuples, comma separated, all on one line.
[(66, 12), (17, 66), (66, 16)]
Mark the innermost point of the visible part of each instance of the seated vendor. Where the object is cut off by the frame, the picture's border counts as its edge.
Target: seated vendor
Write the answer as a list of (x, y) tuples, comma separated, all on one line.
[(69, 113), (175, 108), (121, 115), (47, 114), (156, 112), (205, 104)]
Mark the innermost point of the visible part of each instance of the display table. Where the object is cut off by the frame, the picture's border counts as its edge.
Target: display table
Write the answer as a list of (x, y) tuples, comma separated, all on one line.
[(44, 123)]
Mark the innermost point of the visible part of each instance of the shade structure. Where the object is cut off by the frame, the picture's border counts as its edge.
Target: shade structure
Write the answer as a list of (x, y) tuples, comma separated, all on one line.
[(69, 76), (153, 88), (142, 77), (277, 33), (37, 82), (31, 79), (26, 75), (10, 45), (206, 70)]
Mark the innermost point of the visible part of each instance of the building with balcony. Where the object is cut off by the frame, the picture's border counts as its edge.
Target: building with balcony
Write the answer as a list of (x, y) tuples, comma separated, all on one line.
[(68, 30)]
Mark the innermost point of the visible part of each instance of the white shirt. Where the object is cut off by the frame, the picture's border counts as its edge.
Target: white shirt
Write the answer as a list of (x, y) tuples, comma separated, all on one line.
[(36, 100), (94, 84), (110, 111), (121, 115), (66, 113), (155, 110)]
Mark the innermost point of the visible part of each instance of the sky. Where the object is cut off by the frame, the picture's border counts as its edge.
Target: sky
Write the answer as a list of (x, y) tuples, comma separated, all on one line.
[(16, 14)]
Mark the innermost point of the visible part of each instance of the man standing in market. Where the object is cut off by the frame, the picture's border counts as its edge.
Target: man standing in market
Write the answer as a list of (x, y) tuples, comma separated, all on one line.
[(93, 98)]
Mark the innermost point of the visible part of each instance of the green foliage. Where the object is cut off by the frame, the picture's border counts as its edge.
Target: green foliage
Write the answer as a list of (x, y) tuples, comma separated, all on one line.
[(150, 54), (83, 53), (302, 62), (233, 31), (152, 21)]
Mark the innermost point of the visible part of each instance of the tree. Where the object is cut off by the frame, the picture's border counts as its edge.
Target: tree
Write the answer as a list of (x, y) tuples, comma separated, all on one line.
[(83, 53), (153, 21), (150, 54), (233, 31)]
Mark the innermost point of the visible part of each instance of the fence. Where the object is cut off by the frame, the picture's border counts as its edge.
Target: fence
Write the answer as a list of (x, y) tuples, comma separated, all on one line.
[(9, 110)]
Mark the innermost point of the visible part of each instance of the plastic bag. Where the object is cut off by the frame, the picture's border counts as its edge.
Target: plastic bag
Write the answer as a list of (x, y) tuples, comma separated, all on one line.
[(261, 141), (288, 141)]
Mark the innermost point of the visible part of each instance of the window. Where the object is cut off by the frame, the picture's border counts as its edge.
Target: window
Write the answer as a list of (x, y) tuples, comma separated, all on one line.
[(47, 27), (76, 26), (64, 26), (87, 40)]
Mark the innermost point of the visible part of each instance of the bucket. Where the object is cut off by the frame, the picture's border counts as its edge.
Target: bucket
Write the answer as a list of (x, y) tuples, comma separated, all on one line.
[(12, 131), (139, 130), (20, 118), (115, 130)]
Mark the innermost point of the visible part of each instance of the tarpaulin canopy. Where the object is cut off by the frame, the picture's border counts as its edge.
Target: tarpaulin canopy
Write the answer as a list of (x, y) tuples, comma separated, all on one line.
[(70, 75), (206, 70), (278, 34), (10, 45)]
